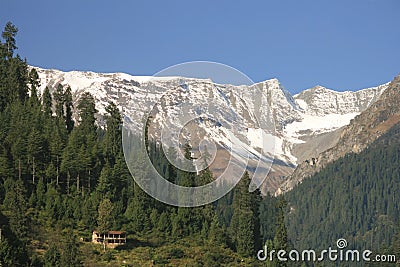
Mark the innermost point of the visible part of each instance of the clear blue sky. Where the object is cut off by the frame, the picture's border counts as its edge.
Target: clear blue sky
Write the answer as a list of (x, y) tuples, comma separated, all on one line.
[(340, 44)]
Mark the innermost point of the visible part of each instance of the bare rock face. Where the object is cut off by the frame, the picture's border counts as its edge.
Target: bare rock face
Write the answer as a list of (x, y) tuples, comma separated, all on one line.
[(366, 127), (322, 101)]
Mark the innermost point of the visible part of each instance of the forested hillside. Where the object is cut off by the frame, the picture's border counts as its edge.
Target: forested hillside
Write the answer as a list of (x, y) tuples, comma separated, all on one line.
[(61, 179), (356, 198)]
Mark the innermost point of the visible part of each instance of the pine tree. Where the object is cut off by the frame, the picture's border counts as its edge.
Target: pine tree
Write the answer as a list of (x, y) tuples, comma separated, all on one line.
[(70, 252), (18, 137), (89, 211), (245, 219), (105, 184), (34, 84), (113, 137), (40, 193), (121, 177), (187, 220), (139, 206), (217, 235), (13, 70), (58, 95), (9, 33), (164, 223), (105, 218), (207, 212), (58, 136), (6, 163), (281, 237), (68, 109), (13, 251), (16, 202), (17, 80), (72, 156), (87, 110), (171, 171), (268, 213), (37, 152), (47, 102)]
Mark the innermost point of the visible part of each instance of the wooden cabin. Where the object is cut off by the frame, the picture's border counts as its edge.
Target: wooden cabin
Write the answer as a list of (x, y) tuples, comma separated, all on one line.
[(110, 238)]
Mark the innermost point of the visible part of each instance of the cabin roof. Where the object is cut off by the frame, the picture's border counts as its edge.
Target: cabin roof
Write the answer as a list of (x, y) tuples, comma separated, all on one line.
[(116, 232), (112, 232)]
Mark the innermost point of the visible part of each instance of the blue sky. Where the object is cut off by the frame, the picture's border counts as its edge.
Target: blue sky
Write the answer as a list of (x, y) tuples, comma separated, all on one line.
[(343, 45)]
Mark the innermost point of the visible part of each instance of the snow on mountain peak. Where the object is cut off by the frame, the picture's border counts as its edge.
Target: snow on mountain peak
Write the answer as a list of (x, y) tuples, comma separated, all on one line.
[(321, 101), (298, 119)]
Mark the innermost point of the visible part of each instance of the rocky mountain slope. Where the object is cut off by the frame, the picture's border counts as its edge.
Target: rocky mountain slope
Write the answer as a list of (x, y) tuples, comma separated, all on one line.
[(366, 127), (305, 124)]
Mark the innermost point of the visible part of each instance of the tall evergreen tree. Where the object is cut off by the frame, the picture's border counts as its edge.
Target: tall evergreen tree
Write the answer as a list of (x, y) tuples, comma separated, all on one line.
[(187, 220), (13, 252), (47, 101), (18, 137), (13, 70), (58, 95), (34, 85), (9, 33), (105, 218), (37, 152), (81, 152), (68, 109), (245, 224), (113, 137), (57, 141), (70, 256), (16, 202), (87, 110), (281, 237), (139, 206)]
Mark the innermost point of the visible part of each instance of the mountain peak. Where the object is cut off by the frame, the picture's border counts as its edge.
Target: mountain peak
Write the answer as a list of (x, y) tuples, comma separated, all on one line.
[(299, 120), (320, 100), (381, 113)]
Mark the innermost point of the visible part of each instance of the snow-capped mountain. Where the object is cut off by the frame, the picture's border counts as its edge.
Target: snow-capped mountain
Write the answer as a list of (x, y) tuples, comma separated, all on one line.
[(305, 124)]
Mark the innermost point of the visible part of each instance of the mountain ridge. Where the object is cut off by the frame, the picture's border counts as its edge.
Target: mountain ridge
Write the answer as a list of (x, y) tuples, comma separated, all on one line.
[(366, 127), (299, 120)]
